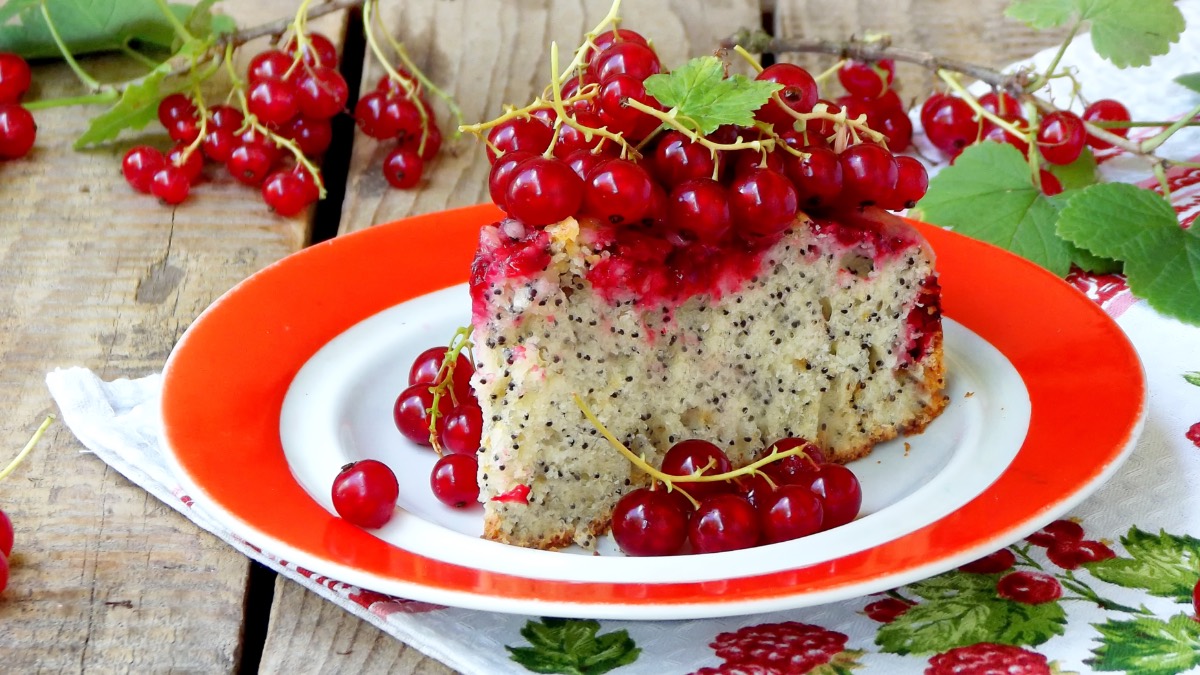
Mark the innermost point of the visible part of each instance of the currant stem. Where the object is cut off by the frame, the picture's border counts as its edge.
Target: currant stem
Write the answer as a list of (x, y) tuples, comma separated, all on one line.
[(402, 53), (671, 119), (87, 80), (410, 90), (952, 81), (829, 72), (581, 54), (1042, 79), (37, 436), (1151, 144), (180, 30), (445, 380), (749, 58)]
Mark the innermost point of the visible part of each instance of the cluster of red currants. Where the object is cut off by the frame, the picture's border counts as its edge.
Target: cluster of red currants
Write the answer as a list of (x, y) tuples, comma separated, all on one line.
[(869, 92), (397, 110), (290, 97), (458, 424), (792, 497), (17, 127), (684, 188), (951, 124)]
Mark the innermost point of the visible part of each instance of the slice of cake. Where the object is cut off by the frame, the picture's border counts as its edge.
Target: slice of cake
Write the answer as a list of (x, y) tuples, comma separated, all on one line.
[(830, 331)]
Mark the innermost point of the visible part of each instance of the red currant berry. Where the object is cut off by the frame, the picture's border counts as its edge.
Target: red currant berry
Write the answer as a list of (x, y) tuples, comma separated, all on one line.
[(723, 522), (318, 50), (1057, 532), (175, 107), (949, 123), (1070, 555), (188, 160), (249, 163), (285, 193), (618, 115), (170, 184), (6, 534), (462, 429), (428, 364), (799, 94), (322, 93), (700, 208), (411, 412), (571, 140), (273, 102), (746, 161), (868, 80), (370, 116), (756, 487), (896, 128), (364, 493), (610, 37), (790, 512), (454, 480), (1106, 110), (992, 563), (184, 130), (869, 173), (840, 493), (582, 162), (14, 77), (140, 164), (312, 136), (3, 573), (912, 181), (798, 469), (763, 203), (18, 130), (218, 144), (999, 135), (692, 456), (527, 134), (887, 610), (502, 174), (1029, 588), (649, 522), (1061, 137), (817, 176), (617, 191), (1001, 104), (624, 58), (271, 64), (1050, 183), (402, 168), (432, 142), (222, 116), (543, 191), (677, 159)]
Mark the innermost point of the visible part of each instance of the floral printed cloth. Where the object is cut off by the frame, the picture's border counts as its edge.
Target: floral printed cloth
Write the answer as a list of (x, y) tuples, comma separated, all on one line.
[(1111, 588)]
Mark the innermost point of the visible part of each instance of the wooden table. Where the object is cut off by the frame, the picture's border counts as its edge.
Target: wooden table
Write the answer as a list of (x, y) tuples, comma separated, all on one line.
[(104, 577)]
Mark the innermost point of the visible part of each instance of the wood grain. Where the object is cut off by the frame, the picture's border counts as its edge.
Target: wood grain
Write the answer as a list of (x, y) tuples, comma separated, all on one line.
[(105, 578)]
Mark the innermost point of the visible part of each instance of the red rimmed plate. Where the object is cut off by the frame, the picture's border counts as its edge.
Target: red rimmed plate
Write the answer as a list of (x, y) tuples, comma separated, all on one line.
[(226, 382)]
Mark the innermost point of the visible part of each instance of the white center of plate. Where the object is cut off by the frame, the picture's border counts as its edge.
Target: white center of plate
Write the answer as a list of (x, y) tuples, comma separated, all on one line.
[(338, 409)]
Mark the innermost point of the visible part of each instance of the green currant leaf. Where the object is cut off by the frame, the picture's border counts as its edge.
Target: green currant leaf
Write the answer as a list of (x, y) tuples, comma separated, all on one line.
[(970, 618), (1043, 14), (1078, 174), (87, 26), (1148, 645), (138, 105), (704, 99), (1130, 32), (1192, 378), (989, 194), (573, 647), (1162, 564), (1191, 81), (1138, 226)]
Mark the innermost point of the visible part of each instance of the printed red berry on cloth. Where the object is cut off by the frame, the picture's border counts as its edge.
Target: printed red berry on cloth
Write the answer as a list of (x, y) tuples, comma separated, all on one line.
[(1029, 588), (1056, 532), (886, 610), (1070, 555), (1193, 434), (992, 563), (988, 658), (788, 647)]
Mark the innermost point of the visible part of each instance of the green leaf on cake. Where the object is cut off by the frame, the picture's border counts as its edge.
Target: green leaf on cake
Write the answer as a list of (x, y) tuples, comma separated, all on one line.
[(86, 26), (1148, 645), (1191, 81), (1162, 564), (1192, 378), (939, 625), (989, 194), (1138, 226), (573, 647), (703, 99), (1126, 32)]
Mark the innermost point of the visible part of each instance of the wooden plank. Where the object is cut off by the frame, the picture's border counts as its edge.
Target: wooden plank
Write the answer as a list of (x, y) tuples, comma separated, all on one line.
[(487, 54), (104, 577), (976, 32)]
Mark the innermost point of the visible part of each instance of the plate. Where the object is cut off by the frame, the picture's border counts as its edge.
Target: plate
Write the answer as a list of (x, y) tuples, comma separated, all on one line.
[(315, 343)]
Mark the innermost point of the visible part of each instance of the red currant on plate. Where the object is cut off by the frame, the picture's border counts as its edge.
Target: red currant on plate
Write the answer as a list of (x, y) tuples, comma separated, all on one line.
[(790, 512), (840, 493), (454, 480), (723, 522), (692, 456), (649, 522), (365, 492)]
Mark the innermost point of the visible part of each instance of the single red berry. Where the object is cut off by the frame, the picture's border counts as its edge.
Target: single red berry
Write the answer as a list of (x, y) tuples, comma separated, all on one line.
[(688, 457), (15, 77), (949, 123), (869, 80), (817, 176), (218, 144), (454, 480), (649, 522), (411, 412), (273, 102), (1056, 532), (322, 93), (610, 37), (756, 487), (617, 191), (869, 174), (170, 184), (745, 161), (271, 64), (319, 50), (699, 207), (140, 164), (6, 534), (992, 563), (432, 142), (677, 159), (364, 493), (527, 134), (988, 658), (840, 493), (896, 128), (798, 469), (222, 116), (887, 610), (1106, 110), (1000, 135), (790, 512), (184, 130), (1001, 104), (618, 116), (763, 203), (543, 191), (18, 130), (461, 430), (285, 193), (581, 162), (1060, 137), (502, 174), (175, 107), (249, 163), (624, 58), (571, 140), (402, 168), (1029, 588), (799, 94), (1070, 555), (787, 647), (912, 181), (723, 522), (427, 365), (189, 160), (312, 136)]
